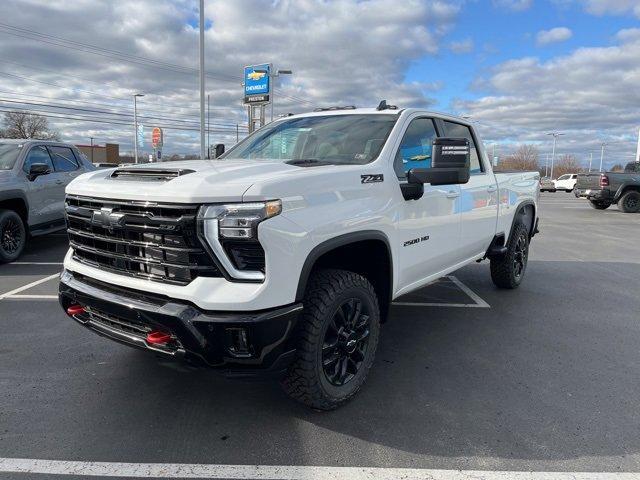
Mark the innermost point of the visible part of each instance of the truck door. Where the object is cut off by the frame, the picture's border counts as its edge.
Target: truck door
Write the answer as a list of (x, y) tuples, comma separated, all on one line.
[(45, 190), (428, 228), (479, 197)]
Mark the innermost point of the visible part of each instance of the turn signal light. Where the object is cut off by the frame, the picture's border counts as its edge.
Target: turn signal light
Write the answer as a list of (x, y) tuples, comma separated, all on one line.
[(75, 310), (158, 338)]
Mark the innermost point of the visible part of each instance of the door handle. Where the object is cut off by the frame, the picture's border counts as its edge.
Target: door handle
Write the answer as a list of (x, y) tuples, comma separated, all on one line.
[(453, 194), (492, 189)]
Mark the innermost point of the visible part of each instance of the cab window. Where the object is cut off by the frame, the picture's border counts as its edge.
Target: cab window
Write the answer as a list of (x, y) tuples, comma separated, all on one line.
[(63, 159), (38, 154), (457, 130), (415, 148)]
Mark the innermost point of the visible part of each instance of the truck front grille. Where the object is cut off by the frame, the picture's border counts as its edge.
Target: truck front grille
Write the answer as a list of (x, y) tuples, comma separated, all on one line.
[(154, 241)]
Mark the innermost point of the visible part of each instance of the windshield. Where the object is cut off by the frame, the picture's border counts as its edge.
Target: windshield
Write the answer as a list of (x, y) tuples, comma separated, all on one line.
[(8, 154), (335, 139)]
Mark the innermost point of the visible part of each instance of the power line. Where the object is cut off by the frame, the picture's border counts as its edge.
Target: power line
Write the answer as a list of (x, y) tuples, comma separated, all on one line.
[(104, 52), (114, 113)]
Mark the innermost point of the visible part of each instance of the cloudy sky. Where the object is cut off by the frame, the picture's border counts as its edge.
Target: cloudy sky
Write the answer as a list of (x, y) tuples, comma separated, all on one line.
[(519, 68)]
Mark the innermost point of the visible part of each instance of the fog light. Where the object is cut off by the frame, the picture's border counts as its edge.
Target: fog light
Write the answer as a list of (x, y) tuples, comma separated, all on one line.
[(238, 342)]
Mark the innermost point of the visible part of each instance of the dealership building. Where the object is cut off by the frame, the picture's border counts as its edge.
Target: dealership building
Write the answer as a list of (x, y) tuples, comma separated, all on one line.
[(109, 153)]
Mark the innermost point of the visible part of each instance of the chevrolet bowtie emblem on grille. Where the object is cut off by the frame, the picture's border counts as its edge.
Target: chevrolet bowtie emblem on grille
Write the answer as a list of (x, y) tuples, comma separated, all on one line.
[(105, 217)]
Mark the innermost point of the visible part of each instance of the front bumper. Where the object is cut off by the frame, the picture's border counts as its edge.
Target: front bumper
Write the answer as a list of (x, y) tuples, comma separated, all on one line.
[(239, 343)]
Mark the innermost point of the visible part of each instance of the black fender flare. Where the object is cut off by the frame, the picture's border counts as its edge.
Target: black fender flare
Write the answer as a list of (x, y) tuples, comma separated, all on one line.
[(622, 189), (519, 212), (15, 194), (336, 242)]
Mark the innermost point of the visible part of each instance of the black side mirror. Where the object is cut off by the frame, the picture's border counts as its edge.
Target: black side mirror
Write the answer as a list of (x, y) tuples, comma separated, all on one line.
[(37, 169), (450, 163)]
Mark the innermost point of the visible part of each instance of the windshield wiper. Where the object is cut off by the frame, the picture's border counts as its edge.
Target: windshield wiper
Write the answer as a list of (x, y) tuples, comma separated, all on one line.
[(303, 162)]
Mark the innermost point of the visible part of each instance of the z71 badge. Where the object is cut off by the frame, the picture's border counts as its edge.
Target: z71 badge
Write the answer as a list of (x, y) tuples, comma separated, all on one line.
[(375, 178)]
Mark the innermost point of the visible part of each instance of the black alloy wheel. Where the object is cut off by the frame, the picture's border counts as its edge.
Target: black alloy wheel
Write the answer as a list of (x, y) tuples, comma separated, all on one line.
[(345, 342), (11, 236), (520, 255)]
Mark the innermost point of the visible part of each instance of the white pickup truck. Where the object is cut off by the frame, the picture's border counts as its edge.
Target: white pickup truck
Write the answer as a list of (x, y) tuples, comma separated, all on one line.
[(284, 255)]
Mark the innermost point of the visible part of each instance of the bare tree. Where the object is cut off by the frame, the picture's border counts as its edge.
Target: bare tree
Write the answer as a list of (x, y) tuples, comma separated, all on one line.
[(525, 158), (27, 125), (617, 168), (566, 164)]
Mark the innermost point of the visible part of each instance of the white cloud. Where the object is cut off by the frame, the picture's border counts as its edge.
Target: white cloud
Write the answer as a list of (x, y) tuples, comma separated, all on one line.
[(342, 51), (514, 5), (462, 46), (611, 7), (591, 95), (628, 35), (555, 35)]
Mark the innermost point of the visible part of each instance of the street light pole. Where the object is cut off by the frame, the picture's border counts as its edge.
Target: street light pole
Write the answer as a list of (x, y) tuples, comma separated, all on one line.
[(590, 160), (553, 153), (273, 86), (135, 125), (91, 149), (202, 79), (602, 156)]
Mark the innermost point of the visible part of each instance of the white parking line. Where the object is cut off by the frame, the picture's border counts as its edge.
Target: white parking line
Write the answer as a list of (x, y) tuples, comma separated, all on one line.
[(28, 286), (32, 297), (478, 301), (277, 472)]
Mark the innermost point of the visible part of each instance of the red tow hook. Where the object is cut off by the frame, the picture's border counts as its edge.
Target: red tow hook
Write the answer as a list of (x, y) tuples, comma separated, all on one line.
[(158, 338), (75, 310)]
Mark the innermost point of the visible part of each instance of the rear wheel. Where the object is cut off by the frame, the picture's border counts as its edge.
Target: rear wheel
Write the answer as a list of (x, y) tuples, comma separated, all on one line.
[(337, 340), (13, 236), (599, 204), (508, 270), (629, 202)]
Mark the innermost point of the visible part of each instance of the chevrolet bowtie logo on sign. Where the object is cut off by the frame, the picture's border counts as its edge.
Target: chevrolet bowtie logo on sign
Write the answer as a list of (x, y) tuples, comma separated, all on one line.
[(107, 218), (255, 75)]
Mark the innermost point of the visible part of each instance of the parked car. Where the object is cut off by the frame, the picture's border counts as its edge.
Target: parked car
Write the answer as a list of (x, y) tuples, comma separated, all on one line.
[(284, 255), (566, 182), (604, 189), (33, 176), (547, 185)]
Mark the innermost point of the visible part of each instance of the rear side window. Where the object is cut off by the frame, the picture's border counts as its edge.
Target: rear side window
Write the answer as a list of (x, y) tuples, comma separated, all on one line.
[(63, 159), (457, 130), (37, 154)]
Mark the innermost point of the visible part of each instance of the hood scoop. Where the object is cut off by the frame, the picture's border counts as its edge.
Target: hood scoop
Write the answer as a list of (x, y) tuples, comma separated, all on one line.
[(149, 174)]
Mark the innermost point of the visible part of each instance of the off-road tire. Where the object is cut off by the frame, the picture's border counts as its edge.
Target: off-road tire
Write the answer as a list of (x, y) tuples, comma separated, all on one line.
[(630, 202), (599, 205), (306, 380), (13, 236), (503, 270)]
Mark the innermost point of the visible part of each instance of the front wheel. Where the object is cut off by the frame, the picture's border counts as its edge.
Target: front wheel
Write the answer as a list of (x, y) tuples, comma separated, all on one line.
[(599, 205), (337, 337), (629, 202), (13, 236), (508, 270)]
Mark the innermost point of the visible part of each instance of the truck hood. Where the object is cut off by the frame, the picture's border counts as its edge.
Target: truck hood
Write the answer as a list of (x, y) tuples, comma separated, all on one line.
[(199, 181)]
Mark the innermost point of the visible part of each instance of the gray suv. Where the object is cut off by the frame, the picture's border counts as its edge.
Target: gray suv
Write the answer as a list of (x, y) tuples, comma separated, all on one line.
[(33, 177)]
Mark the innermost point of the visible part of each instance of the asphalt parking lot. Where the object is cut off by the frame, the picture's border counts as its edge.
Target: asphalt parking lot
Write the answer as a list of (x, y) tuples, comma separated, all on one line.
[(467, 377)]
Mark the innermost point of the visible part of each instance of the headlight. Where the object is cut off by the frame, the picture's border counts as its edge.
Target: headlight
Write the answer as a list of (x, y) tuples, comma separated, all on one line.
[(230, 224)]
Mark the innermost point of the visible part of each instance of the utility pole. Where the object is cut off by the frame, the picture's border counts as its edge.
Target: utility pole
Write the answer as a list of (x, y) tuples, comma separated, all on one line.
[(208, 128), (237, 133), (553, 153), (91, 149), (602, 156), (135, 126), (202, 79), (590, 160)]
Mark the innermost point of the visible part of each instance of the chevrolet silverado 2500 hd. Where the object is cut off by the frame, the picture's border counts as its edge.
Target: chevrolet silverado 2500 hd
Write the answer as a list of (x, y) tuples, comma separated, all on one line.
[(284, 255)]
